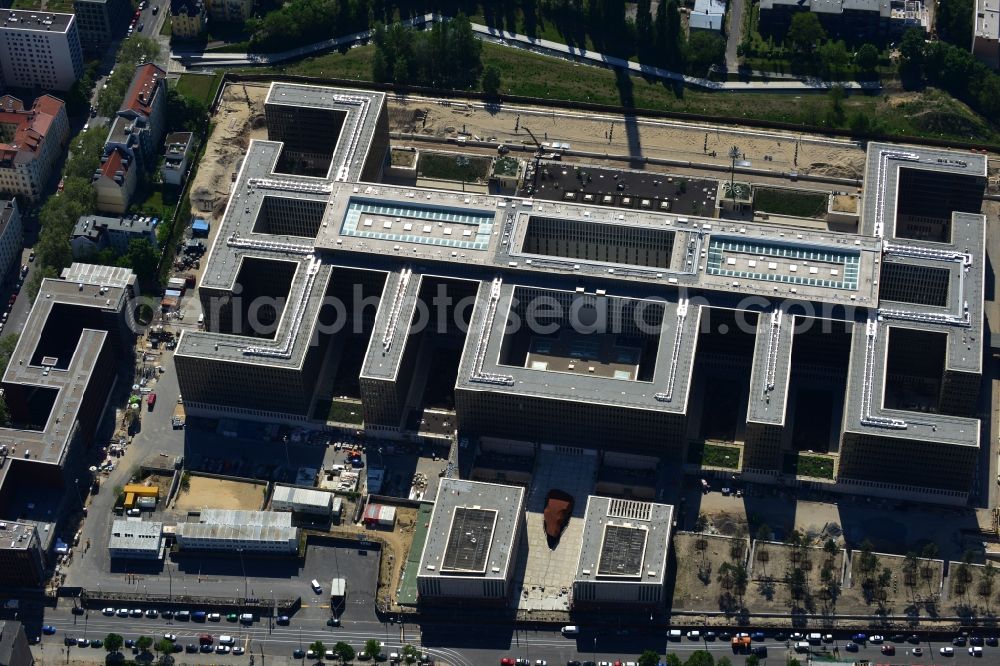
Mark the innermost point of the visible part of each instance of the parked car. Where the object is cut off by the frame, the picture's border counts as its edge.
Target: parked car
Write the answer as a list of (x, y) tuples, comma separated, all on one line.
[(889, 649), (976, 651), (859, 638), (851, 647), (215, 617), (96, 643), (913, 638), (299, 653), (48, 629), (136, 612), (975, 640), (876, 639), (991, 641), (757, 636), (77, 610), (170, 637), (108, 611), (83, 642), (151, 612), (238, 650), (958, 641), (947, 651), (69, 640), (190, 648), (284, 619), (917, 652)]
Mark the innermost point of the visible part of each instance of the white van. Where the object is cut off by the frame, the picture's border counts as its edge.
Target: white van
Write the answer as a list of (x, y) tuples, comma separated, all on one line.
[(246, 618), (802, 646), (317, 588), (674, 634), (571, 630), (815, 639), (226, 640)]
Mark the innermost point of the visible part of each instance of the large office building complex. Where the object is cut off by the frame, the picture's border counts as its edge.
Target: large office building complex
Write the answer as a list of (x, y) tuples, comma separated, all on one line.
[(623, 558), (590, 325), (39, 49), (59, 378), (472, 543)]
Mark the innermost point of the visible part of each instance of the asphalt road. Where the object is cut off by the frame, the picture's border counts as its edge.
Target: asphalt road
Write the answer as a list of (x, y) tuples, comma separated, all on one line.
[(452, 643)]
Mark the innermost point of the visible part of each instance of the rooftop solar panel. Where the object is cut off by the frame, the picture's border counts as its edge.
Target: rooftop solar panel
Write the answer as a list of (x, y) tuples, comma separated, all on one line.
[(469, 540), (622, 551)]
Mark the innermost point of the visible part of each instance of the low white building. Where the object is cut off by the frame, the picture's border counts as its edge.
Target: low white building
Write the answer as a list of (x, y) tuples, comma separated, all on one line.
[(136, 539), (302, 500), (253, 532)]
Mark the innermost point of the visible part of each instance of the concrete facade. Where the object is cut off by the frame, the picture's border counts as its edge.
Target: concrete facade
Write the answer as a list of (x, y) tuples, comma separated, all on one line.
[(40, 49)]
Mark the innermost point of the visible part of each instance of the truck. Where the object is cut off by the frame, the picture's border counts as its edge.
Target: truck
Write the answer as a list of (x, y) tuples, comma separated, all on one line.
[(177, 421), (741, 643), (338, 592)]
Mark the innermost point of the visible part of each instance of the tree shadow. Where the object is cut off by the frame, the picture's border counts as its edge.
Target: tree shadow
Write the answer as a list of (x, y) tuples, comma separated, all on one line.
[(626, 96)]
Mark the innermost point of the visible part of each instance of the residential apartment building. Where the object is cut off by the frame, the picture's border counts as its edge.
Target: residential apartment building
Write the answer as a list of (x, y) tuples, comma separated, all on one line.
[(986, 32), (230, 11), (101, 21), (852, 20), (31, 143), (11, 235), (39, 49), (94, 233), (187, 18), (133, 141), (177, 149), (115, 180)]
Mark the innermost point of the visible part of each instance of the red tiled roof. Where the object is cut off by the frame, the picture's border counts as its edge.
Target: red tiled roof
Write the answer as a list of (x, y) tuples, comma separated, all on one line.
[(113, 164), (31, 125), (143, 88)]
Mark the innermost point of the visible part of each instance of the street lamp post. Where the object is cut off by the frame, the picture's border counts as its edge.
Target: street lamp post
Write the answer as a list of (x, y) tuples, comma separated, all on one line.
[(243, 566)]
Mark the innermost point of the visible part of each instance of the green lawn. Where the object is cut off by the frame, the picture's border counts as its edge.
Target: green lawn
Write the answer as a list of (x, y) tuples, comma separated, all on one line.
[(453, 167), (165, 28), (714, 455), (929, 113), (341, 411), (814, 466), (199, 86), (789, 202)]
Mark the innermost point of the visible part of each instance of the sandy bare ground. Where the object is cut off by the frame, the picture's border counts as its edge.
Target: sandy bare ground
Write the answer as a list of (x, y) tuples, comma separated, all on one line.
[(603, 133), (206, 492), (240, 118), (397, 546)]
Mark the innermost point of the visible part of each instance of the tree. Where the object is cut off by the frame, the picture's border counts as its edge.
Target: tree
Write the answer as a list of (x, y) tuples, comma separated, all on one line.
[(343, 651), (866, 58), (373, 648), (700, 658), (911, 55), (141, 258), (724, 661), (410, 654), (673, 660), (649, 658), (165, 648), (318, 649), (954, 20), (113, 642), (491, 81), (834, 58), (703, 50), (752, 660), (830, 547), (805, 32), (37, 275), (144, 643)]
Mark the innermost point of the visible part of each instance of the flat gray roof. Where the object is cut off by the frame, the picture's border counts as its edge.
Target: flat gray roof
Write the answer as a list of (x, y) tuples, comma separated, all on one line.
[(412, 233), (625, 541), (35, 20), (241, 517), (217, 532), (472, 530), (131, 534), (16, 535), (49, 445)]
